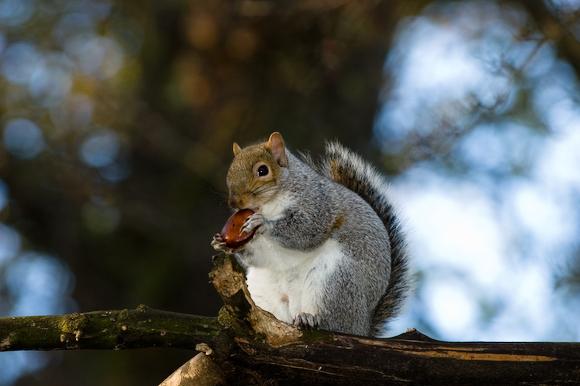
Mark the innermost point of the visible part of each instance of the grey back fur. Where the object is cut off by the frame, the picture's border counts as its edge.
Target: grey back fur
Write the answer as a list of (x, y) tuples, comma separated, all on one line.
[(350, 170)]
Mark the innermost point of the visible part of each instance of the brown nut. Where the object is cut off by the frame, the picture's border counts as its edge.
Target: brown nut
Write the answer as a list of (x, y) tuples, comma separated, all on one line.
[(231, 232)]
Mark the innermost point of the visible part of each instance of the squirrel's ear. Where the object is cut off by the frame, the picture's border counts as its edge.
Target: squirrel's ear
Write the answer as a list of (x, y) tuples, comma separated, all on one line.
[(276, 145), (236, 148)]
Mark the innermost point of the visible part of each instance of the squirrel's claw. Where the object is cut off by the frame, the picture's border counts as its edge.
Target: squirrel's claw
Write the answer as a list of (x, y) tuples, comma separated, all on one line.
[(218, 243), (253, 222), (306, 321)]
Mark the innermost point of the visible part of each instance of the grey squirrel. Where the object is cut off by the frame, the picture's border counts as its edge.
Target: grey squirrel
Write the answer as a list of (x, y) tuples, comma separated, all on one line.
[(327, 251)]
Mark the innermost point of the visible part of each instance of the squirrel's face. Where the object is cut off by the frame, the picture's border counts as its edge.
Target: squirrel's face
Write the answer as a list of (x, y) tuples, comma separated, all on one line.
[(254, 175)]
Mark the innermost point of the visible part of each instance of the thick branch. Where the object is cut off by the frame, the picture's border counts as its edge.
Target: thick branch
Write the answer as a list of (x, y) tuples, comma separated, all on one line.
[(401, 361), (249, 346), (282, 354), (138, 328)]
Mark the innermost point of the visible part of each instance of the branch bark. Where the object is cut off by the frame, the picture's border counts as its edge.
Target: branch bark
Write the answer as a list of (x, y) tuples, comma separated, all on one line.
[(247, 345), (109, 330), (198, 371), (404, 360)]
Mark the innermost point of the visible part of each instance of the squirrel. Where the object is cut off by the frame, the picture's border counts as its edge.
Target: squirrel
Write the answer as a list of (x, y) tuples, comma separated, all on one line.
[(328, 251)]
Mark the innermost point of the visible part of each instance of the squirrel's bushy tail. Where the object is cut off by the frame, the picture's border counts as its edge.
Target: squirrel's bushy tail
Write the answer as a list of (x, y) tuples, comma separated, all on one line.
[(347, 168)]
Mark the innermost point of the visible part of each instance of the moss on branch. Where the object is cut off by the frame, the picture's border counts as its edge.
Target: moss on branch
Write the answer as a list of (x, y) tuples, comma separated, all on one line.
[(119, 329), (247, 345)]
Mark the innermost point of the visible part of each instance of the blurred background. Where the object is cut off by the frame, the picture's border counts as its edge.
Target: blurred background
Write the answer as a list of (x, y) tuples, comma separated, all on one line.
[(117, 119)]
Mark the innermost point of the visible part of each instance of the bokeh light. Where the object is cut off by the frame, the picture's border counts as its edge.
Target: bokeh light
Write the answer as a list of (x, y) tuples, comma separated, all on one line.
[(20, 61), (100, 149), (496, 211), (118, 118), (23, 138), (16, 364), (15, 12), (94, 55), (39, 284), (9, 243)]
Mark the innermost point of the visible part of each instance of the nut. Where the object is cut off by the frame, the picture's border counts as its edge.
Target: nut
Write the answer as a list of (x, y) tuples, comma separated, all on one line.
[(231, 232)]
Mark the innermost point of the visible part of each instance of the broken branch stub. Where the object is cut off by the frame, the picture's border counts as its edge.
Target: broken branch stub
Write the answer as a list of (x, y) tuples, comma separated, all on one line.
[(240, 313)]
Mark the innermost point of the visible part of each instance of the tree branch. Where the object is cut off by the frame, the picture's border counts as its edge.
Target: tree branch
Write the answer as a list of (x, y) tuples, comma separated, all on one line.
[(247, 345), (554, 29), (119, 329), (415, 359), (198, 371)]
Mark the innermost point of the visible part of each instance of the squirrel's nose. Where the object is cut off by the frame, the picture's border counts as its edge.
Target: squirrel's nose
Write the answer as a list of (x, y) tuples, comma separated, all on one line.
[(234, 201)]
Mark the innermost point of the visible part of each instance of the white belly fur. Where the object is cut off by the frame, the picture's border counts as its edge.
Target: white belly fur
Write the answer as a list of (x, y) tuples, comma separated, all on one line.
[(287, 282)]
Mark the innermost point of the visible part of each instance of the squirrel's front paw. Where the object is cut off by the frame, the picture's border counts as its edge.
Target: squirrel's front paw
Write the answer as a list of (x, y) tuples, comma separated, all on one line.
[(252, 223), (306, 321), (218, 243)]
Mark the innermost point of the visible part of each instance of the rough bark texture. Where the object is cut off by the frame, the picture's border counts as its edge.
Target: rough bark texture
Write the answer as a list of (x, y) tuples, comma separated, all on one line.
[(268, 351), (246, 345), (109, 330), (401, 361)]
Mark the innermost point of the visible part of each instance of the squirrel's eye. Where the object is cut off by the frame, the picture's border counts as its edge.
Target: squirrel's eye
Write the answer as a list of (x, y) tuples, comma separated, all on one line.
[(263, 170)]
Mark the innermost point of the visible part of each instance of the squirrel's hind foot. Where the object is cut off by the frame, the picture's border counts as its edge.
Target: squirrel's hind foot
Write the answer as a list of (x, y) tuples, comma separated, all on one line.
[(305, 320)]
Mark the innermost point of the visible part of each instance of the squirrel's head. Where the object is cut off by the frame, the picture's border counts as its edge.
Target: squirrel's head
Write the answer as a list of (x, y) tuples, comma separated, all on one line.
[(254, 175)]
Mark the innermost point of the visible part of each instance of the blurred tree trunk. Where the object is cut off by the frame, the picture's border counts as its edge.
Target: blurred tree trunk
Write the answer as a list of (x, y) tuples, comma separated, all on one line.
[(309, 69)]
